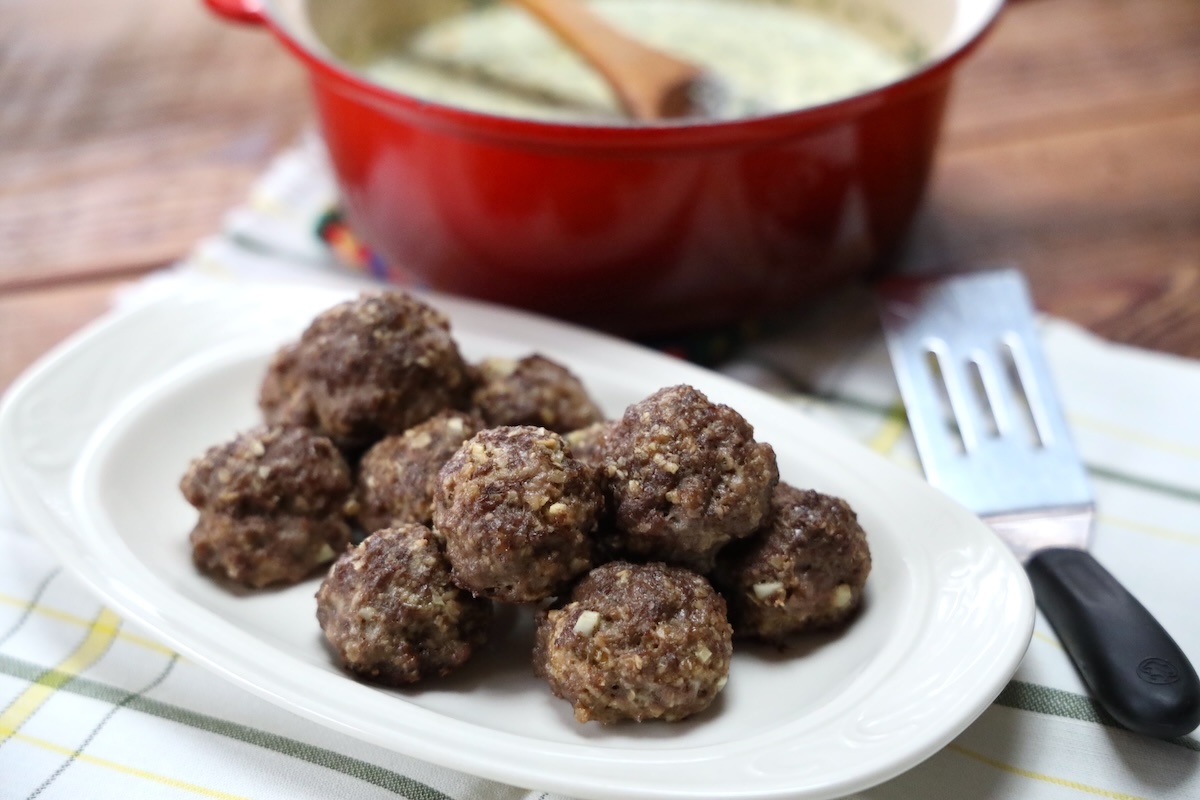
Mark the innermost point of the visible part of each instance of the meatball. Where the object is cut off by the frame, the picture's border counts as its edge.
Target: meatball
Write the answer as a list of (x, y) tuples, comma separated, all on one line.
[(686, 477), (587, 444), (272, 506), (805, 570), (516, 512), (370, 367), (636, 642), (282, 396), (258, 551), (398, 476), (532, 391), (390, 611)]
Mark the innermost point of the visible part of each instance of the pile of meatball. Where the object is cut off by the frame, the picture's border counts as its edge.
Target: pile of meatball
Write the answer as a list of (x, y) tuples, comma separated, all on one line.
[(428, 489)]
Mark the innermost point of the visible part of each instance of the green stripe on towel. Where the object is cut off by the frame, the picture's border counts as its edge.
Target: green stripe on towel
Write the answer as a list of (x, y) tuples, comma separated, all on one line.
[(1057, 703), (363, 770)]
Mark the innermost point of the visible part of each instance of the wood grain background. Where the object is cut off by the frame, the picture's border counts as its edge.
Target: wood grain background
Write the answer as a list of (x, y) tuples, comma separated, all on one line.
[(1072, 149)]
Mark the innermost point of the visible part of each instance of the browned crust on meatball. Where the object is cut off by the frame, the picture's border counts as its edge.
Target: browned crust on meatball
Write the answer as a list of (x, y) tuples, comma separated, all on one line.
[(390, 611), (267, 470), (398, 476), (533, 390), (259, 551), (378, 365), (282, 396), (686, 477), (804, 571), (587, 444), (636, 642), (517, 512), (272, 503)]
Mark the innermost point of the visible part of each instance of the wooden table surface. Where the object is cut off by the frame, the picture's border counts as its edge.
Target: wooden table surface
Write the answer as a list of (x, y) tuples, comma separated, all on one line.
[(1072, 148)]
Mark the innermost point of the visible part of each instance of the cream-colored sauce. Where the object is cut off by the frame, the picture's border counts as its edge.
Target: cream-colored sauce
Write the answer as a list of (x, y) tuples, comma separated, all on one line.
[(768, 58)]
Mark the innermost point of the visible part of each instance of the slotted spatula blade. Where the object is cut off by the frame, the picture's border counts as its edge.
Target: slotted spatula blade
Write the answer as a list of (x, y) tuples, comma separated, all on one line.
[(990, 433)]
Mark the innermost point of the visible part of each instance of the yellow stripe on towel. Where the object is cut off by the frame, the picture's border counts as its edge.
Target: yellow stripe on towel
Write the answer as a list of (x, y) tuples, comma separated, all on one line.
[(101, 633), (1133, 435), (74, 619), (891, 431), (1153, 530), (1047, 639), (1038, 776), (99, 637), (124, 769)]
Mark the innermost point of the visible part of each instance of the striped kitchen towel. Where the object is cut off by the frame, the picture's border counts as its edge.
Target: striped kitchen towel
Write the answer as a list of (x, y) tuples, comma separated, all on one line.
[(93, 707)]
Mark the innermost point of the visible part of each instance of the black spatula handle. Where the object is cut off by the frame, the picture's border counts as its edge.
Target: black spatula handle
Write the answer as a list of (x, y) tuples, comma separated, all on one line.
[(1132, 666)]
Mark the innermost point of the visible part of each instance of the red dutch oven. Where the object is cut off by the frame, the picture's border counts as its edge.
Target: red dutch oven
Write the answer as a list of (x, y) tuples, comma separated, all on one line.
[(640, 229)]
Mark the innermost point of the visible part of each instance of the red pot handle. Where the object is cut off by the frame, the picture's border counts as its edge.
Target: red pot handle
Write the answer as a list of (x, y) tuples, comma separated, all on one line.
[(238, 10)]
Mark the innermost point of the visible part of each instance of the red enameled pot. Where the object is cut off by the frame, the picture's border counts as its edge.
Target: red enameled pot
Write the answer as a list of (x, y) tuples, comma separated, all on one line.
[(639, 229)]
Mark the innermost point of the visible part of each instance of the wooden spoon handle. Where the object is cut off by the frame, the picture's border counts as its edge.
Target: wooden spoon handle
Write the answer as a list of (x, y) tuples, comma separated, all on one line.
[(649, 83)]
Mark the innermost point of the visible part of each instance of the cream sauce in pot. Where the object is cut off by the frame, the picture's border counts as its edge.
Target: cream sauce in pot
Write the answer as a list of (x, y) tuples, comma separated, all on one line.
[(769, 57)]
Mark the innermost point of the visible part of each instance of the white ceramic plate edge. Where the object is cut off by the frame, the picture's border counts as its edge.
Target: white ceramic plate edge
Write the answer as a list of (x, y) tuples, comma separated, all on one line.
[(54, 514)]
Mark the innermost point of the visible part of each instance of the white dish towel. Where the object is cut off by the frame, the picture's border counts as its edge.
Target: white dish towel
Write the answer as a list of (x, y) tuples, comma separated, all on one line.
[(92, 707)]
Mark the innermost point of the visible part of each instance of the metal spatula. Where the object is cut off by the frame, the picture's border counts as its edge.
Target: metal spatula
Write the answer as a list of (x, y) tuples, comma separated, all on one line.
[(990, 433)]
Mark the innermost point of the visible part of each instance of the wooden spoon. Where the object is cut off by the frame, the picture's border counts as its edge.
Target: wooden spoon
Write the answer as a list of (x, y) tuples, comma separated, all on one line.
[(650, 84)]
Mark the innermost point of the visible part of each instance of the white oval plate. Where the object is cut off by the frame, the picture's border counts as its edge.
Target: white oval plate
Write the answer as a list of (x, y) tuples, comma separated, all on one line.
[(98, 433)]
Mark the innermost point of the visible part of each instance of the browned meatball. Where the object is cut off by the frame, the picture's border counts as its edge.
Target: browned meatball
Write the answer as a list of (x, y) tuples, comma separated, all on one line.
[(269, 469), (686, 477), (257, 551), (283, 396), (370, 367), (516, 512), (805, 570), (587, 444), (272, 505), (636, 642), (391, 613), (398, 476), (532, 391)]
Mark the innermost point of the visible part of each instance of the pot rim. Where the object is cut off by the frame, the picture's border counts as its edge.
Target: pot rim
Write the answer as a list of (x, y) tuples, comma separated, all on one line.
[(671, 135)]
